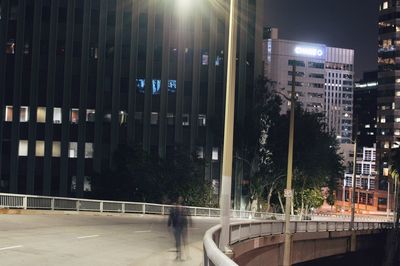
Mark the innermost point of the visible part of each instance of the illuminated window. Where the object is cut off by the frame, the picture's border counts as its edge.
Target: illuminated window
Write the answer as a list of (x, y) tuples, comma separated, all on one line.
[(74, 116), (41, 115), (204, 57), (10, 47), (56, 151), (215, 154), (23, 148), (123, 117), (73, 150), (90, 115), (57, 116), (9, 114), (385, 5), (24, 114), (88, 150), (39, 151), (154, 118), (202, 120), (383, 119), (200, 152), (185, 120), (386, 145)]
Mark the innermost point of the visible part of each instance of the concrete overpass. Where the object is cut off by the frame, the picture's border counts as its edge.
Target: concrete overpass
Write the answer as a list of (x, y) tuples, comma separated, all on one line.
[(65, 231), (86, 239)]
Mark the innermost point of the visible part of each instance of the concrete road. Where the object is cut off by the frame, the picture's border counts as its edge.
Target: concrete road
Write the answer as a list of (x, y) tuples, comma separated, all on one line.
[(60, 239)]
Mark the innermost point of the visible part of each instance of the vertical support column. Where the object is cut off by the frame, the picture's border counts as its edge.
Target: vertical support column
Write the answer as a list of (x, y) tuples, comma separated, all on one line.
[(135, 7), (180, 84), (116, 95), (17, 97), (33, 97), (241, 99), (67, 100), (80, 179), (3, 59), (162, 137), (196, 79), (51, 83), (98, 133), (149, 75), (258, 58), (211, 117)]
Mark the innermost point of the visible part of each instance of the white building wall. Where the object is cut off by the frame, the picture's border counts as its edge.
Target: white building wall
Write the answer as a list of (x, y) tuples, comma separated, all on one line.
[(309, 79), (328, 90), (339, 84)]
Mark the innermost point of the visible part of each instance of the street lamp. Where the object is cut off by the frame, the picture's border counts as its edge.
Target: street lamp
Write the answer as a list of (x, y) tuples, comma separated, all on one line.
[(225, 196), (288, 191)]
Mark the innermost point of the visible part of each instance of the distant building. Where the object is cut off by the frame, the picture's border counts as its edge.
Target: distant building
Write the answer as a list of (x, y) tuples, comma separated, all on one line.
[(367, 196), (365, 109), (324, 79)]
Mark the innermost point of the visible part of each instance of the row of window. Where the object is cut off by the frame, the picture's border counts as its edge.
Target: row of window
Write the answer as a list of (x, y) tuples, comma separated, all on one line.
[(303, 64), (90, 116), (41, 115), (302, 74), (305, 84), (56, 149)]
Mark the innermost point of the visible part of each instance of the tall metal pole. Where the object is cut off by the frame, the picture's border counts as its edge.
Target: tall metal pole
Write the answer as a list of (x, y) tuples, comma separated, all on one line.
[(395, 202), (225, 196), (388, 200), (288, 191), (353, 192)]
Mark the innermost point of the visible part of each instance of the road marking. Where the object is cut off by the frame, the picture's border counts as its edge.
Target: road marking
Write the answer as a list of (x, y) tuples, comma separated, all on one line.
[(146, 231), (82, 237), (13, 247)]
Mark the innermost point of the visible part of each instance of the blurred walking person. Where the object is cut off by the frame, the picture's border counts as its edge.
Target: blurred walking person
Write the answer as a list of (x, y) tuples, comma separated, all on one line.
[(179, 220)]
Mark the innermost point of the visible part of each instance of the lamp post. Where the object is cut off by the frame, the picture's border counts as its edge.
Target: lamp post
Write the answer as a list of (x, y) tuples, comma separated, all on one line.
[(226, 183), (288, 191), (353, 192)]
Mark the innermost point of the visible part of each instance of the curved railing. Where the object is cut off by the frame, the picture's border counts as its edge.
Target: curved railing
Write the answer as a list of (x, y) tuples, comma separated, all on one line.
[(241, 231)]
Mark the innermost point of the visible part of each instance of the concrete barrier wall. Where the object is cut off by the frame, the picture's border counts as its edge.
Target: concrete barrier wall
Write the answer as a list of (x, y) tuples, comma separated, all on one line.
[(268, 250)]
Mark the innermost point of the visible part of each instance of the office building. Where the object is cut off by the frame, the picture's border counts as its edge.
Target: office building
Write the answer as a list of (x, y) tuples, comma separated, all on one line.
[(388, 111), (367, 197), (79, 78), (324, 79), (365, 108)]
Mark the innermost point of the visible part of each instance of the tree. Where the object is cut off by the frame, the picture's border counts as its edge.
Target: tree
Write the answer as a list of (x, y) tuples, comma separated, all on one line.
[(139, 176), (316, 162), (393, 245), (251, 137)]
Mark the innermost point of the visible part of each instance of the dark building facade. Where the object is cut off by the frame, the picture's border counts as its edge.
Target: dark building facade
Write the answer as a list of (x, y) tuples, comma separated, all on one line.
[(388, 101), (78, 78), (365, 108)]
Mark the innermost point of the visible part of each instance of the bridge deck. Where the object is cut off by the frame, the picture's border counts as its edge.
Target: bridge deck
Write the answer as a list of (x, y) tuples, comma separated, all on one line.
[(95, 240)]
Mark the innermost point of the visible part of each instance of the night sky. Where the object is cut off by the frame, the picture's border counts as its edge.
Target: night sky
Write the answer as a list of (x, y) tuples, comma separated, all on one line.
[(337, 23)]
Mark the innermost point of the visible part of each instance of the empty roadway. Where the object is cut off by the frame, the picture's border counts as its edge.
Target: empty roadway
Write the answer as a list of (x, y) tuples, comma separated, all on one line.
[(59, 239)]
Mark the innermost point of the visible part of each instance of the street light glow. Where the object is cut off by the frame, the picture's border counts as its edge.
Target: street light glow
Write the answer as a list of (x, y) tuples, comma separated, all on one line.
[(183, 5)]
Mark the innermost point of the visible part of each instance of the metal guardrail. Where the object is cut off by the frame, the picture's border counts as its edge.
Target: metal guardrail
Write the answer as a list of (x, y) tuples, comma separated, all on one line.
[(241, 231), (20, 201)]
